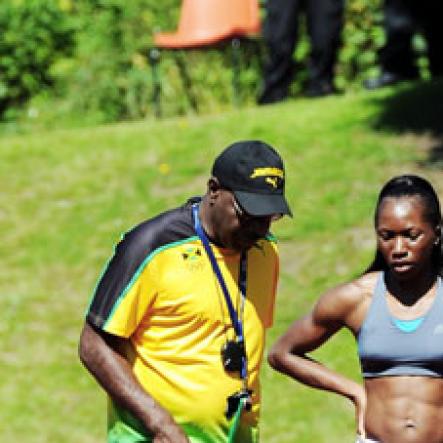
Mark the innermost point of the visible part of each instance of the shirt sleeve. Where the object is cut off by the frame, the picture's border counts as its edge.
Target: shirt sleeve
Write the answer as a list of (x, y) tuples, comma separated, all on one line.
[(270, 318), (125, 290), (263, 279)]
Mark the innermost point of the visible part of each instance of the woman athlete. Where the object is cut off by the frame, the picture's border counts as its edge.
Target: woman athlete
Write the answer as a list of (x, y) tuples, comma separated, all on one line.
[(395, 311)]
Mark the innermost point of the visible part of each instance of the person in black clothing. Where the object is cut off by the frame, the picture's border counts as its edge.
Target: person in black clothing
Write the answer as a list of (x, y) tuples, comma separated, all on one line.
[(324, 24), (403, 18)]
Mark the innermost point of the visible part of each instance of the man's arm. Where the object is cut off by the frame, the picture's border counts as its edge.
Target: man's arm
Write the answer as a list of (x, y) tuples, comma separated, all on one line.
[(100, 353)]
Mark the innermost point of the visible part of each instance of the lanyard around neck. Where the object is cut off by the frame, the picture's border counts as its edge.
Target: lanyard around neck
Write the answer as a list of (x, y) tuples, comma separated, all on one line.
[(236, 322)]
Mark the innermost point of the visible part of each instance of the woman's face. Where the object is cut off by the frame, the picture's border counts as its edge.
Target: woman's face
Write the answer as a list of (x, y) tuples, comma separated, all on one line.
[(404, 238)]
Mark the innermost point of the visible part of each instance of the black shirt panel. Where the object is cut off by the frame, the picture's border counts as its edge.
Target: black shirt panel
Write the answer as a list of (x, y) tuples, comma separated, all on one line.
[(132, 251)]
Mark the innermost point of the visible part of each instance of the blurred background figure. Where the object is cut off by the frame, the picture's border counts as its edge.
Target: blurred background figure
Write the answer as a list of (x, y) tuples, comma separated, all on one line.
[(403, 19), (281, 26)]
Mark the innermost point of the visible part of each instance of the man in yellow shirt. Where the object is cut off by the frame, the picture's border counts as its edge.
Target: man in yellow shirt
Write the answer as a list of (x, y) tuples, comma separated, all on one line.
[(175, 329)]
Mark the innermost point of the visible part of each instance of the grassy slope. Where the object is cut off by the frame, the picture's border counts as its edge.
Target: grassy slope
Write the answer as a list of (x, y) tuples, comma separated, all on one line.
[(66, 196)]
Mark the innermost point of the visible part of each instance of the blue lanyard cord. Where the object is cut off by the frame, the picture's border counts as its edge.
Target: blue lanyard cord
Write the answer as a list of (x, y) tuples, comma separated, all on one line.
[(236, 322), (242, 287)]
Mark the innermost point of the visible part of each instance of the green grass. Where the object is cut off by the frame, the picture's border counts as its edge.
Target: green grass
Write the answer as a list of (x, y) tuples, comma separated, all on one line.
[(67, 195)]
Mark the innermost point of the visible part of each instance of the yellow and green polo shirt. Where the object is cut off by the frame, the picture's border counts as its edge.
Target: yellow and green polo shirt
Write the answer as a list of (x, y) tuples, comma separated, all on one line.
[(160, 292)]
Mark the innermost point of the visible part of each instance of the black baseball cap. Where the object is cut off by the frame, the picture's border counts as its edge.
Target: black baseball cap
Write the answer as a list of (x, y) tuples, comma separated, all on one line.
[(254, 172)]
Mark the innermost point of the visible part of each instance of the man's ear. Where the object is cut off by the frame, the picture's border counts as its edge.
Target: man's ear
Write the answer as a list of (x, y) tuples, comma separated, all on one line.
[(213, 186)]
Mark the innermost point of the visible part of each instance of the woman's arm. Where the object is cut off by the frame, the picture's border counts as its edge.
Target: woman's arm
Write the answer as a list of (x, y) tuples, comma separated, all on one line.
[(288, 355)]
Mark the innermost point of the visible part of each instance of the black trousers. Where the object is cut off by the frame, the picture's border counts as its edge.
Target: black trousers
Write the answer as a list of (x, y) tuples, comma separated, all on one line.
[(403, 18), (281, 26)]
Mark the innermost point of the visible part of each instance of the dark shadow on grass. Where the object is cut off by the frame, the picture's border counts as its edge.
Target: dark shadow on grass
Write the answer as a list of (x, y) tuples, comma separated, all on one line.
[(415, 108)]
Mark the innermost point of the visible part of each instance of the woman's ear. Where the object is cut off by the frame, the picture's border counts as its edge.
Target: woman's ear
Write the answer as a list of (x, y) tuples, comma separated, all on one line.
[(437, 234)]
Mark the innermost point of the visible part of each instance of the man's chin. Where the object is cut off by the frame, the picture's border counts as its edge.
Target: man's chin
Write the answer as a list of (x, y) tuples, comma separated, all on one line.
[(243, 246)]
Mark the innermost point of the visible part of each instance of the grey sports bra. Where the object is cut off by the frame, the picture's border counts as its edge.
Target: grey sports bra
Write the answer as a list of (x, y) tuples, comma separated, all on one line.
[(385, 349)]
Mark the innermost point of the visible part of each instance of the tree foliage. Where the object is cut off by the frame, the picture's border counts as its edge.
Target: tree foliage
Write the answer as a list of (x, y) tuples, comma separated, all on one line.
[(33, 34), (95, 54)]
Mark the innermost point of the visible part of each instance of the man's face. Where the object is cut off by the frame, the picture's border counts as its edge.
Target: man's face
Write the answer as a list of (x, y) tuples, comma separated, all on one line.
[(234, 227)]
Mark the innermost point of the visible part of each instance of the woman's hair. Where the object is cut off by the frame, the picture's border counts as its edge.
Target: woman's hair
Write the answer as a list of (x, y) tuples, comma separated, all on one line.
[(412, 186)]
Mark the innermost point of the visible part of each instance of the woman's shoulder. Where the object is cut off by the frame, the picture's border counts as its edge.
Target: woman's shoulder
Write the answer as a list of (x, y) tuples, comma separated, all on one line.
[(348, 298), (353, 290), (365, 284)]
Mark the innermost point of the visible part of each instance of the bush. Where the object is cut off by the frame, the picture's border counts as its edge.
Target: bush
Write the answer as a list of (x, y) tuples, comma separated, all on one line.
[(107, 76), (34, 33), (362, 36), (112, 76)]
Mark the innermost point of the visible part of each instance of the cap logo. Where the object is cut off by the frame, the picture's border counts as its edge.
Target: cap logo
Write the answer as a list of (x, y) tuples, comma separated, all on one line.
[(262, 172), (272, 181)]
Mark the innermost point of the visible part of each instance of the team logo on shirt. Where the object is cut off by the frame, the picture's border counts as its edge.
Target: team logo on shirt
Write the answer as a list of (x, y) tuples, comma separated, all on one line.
[(191, 253), (192, 257)]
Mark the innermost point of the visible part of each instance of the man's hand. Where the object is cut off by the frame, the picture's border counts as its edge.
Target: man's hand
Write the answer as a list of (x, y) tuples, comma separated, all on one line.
[(102, 356)]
